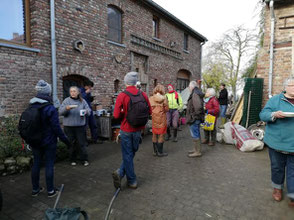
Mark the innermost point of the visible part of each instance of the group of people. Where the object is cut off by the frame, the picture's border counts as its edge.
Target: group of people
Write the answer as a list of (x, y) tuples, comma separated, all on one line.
[(164, 109), (77, 114)]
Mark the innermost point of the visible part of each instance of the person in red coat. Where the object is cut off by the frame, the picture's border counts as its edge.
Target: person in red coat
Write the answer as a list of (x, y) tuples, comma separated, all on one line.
[(212, 108), (130, 136)]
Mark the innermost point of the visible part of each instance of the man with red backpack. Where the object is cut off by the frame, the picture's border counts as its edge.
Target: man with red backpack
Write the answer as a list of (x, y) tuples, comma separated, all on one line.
[(133, 107)]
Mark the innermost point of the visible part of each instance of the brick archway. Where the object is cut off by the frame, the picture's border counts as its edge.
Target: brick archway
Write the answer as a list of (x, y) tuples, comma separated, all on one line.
[(72, 80)]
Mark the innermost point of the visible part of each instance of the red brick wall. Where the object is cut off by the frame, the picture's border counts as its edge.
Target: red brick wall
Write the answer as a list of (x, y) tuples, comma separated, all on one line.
[(87, 21), (283, 51)]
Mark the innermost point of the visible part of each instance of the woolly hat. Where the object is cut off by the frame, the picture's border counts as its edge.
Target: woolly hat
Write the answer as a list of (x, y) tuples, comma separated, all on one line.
[(43, 87), (131, 78)]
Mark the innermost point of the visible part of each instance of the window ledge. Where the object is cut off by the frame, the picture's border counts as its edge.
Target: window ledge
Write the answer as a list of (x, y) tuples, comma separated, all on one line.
[(157, 39), (186, 51), (116, 44), (20, 47)]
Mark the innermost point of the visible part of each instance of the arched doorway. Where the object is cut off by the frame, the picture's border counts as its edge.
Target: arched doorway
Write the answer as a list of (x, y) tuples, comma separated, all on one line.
[(72, 80), (183, 79)]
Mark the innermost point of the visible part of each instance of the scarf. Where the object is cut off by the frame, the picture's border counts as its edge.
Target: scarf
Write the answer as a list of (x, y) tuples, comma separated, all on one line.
[(207, 99), (173, 91)]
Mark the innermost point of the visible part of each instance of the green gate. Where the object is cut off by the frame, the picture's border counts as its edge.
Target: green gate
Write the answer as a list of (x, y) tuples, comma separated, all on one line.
[(253, 92)]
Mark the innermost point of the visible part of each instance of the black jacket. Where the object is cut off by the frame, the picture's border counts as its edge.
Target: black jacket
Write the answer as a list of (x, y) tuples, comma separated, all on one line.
[(223, 97)]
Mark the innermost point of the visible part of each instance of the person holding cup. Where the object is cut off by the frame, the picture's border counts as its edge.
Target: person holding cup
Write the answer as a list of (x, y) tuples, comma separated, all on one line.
[(74, 109)]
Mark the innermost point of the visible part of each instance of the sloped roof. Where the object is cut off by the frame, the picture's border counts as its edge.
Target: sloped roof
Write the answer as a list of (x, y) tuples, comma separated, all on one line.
[(157, 8)]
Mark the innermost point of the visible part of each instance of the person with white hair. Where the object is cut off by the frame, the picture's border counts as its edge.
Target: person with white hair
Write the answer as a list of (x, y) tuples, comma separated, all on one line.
[(195, 116), (75, 109), (212, 108), (278, 114)]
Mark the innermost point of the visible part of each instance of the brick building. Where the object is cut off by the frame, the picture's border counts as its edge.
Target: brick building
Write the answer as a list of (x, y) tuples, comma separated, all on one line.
[(96, 39), (279, 20)]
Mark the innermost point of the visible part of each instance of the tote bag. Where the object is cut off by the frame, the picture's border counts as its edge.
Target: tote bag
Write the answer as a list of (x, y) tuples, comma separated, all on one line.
[(209, 122)]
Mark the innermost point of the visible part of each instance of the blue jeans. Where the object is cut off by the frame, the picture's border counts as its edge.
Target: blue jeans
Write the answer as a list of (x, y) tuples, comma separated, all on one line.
[(279, 162), (223, 110), (129, 146), (195, 130), (49, 152)]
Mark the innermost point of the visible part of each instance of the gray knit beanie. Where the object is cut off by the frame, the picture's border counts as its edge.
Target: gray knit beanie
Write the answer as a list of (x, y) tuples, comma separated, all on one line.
[(131, 78), (43, 87)]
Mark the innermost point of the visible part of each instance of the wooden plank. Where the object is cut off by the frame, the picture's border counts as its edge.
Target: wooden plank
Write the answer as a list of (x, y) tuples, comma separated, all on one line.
[(239, 112)]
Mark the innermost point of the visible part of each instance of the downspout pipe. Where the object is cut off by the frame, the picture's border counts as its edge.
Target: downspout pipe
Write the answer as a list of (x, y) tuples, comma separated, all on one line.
[(201, 52), (53, 54), (272, 37)]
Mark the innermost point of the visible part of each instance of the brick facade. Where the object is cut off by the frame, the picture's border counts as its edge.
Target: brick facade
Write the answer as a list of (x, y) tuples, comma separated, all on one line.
[(102, 61), (283, 47)]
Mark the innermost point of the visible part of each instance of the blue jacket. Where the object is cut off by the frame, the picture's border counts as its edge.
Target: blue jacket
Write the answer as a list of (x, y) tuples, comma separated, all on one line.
[(50, 122), (278, 132), (86, 96)]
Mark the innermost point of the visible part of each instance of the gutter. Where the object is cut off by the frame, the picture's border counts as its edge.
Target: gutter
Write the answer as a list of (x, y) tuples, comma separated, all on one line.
[(53, 54), (272, 37)]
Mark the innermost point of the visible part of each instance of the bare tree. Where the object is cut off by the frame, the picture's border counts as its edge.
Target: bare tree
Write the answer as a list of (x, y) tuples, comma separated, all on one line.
[(234, 48)]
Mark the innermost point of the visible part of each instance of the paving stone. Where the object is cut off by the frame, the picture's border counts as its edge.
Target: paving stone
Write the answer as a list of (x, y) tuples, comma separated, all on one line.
[(223, 184)]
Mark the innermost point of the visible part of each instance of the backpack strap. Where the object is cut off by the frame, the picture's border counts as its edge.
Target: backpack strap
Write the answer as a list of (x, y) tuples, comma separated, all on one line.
[(84, 213), (130, 94)]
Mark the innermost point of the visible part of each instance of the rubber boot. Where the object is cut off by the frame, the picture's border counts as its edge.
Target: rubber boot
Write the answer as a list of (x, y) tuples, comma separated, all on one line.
[(206, 137), (155, 150), (175, 139), (167, 135), (197, 152), (223, 121), (160, 150)]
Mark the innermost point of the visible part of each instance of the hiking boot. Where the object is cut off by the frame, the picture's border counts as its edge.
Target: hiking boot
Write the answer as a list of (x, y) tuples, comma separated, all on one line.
[(53, 193), (160, 150), (36, 193), (277, 194), (197, 152), (116, 179), (86, 163), (133, 186)]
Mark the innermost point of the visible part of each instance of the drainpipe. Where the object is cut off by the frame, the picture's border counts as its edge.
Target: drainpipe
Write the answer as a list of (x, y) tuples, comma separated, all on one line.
[(270, 75), (201, 45), (53, 54)]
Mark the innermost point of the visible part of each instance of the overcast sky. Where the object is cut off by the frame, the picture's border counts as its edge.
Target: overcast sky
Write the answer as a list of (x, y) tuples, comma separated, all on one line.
[(212, 18)]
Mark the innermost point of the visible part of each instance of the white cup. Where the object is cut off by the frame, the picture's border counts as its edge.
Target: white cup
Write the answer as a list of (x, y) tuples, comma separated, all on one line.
[(82, 112)]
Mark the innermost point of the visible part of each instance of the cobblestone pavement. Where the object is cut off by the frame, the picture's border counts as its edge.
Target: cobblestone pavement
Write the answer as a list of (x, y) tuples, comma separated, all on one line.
[(223, 184)]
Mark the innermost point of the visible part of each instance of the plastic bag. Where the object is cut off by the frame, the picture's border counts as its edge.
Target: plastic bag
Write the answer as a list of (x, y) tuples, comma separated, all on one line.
[(209, 122)]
